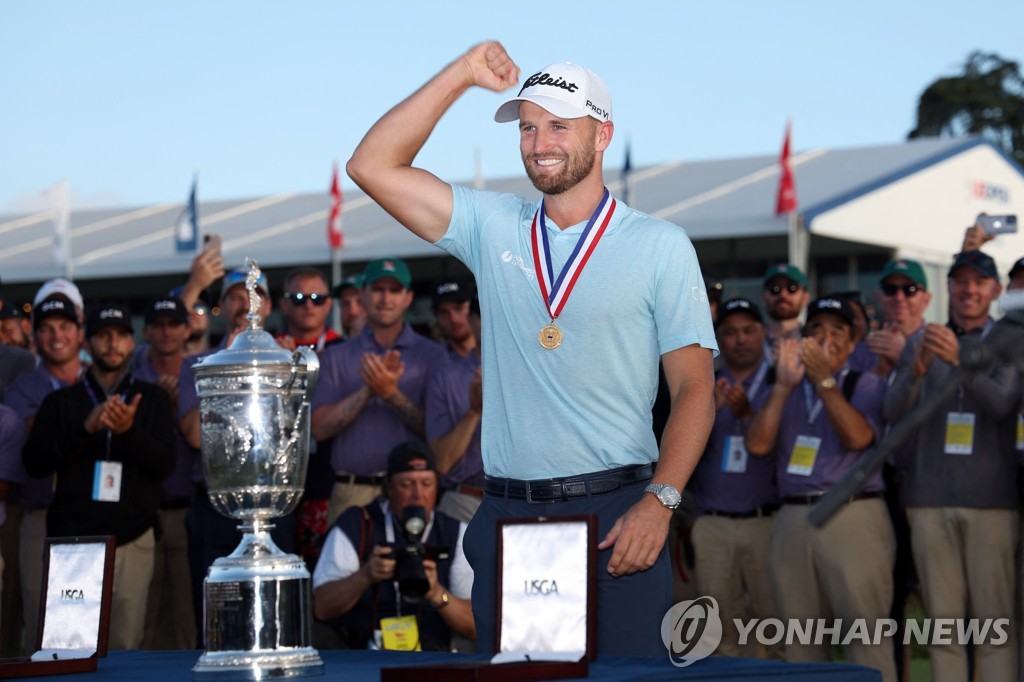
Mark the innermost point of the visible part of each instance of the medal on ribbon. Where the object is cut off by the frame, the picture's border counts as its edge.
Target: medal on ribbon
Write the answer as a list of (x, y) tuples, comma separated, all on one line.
[(555, 292)]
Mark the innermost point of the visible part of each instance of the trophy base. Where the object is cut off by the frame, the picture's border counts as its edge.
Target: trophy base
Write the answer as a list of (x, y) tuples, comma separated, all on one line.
[(221, 666), (259, 616)]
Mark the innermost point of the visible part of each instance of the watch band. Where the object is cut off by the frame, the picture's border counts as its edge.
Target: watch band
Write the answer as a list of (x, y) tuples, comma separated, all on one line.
[(444, 601)]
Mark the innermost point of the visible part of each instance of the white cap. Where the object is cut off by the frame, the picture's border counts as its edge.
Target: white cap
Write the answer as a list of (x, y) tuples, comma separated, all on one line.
[(59, 286), (566, 90)]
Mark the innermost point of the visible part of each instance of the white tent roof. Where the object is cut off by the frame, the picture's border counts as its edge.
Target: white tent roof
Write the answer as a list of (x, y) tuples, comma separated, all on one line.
[(914, 197)]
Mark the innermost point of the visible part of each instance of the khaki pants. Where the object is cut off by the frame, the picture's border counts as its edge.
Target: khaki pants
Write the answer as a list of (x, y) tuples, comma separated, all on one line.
[(133, 572), (459, 506), (345, 495), (966, 561), (170, 618), (732, 566), (843, 570)]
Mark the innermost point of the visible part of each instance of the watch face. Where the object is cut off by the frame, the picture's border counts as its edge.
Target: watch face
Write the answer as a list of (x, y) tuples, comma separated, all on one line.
[(669, 496)]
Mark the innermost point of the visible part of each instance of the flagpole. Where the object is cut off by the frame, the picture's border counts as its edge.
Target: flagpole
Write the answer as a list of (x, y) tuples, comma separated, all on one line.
[(336, 240), (335, 282)]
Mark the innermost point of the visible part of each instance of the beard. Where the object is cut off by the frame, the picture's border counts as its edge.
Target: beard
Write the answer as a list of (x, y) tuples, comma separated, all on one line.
[(110, 367), (575, 168)]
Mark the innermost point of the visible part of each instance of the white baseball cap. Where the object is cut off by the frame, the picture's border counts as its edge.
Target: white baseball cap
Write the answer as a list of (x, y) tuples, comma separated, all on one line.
[(567, 90), (59, 286)]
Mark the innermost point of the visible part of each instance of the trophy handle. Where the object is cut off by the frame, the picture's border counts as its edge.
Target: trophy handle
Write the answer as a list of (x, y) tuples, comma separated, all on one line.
[(304, 355)]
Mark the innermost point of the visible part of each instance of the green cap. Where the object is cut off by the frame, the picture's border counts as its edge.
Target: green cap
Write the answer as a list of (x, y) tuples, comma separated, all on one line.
[(790, 272), (910, 269), (387, 267)]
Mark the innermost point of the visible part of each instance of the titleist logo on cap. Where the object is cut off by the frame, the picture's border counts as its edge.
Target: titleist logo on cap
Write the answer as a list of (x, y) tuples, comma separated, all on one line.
[(543, 78)]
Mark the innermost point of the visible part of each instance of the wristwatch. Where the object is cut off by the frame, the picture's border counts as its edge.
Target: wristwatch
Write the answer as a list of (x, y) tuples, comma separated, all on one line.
[(666, 494), (444, 601), (827, 383)]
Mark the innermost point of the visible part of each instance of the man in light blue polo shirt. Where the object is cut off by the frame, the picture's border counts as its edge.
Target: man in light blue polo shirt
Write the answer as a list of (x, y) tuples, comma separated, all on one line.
[(580, 297)]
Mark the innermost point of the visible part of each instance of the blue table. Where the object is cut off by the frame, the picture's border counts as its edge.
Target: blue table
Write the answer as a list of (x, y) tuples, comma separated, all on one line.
[(353, 666)]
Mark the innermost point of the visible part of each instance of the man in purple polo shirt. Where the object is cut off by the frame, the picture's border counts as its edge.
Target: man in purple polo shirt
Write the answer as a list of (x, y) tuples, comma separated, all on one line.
[(57, 322), (735, 495), (170, 620), (453, 413), (818, 419), (371, 390)]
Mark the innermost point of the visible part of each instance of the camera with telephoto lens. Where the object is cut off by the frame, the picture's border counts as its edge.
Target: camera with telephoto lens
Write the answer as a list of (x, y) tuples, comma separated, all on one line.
[(409, 571)]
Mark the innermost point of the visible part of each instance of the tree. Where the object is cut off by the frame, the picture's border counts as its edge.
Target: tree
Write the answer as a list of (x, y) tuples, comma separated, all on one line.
[(986, 99)]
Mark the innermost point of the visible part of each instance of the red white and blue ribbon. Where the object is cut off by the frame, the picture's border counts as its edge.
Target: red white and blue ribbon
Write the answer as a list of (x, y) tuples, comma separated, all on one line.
[(556, 291)]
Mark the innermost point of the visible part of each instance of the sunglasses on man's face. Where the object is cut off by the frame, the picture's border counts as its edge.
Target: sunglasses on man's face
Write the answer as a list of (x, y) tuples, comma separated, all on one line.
[(776, 289), (909, 290), (301, 299)]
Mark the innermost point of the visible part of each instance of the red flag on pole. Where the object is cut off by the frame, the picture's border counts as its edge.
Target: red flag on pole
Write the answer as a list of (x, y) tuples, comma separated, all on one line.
[(334, 234), (785, 202)]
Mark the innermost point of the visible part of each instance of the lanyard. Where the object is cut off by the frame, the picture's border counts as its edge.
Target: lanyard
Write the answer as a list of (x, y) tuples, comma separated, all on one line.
[(96, 401), (814, 410)]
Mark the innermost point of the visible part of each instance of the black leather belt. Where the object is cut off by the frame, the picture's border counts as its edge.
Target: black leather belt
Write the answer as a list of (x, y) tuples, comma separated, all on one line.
[(342, 477), (560, 489), (813, 499), (762, 511)]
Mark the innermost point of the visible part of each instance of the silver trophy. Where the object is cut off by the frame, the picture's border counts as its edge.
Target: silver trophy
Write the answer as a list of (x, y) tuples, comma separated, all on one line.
[(254, 416)]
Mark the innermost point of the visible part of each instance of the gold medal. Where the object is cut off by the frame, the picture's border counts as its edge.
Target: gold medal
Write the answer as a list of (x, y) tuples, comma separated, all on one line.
[(550, 337)]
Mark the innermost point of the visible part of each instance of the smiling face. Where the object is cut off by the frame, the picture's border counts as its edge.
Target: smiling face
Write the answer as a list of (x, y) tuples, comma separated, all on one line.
[(900, 307), (58, 341), (970, 296), (560, 153)]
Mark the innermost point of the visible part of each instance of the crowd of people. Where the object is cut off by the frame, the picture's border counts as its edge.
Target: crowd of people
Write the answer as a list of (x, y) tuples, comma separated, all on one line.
[(100, 436)]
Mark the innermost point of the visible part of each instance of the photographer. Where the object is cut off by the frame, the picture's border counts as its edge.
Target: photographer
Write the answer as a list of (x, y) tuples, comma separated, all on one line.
[(374, 583)]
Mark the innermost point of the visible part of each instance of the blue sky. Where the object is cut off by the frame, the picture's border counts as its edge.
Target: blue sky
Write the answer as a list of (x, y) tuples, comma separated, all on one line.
[(127, 99)]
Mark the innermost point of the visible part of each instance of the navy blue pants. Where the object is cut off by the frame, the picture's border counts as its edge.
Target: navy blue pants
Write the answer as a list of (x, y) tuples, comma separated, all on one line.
[(629, 608)]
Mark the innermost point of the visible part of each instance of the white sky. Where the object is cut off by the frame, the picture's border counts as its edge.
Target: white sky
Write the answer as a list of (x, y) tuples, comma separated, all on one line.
[(127, 99)]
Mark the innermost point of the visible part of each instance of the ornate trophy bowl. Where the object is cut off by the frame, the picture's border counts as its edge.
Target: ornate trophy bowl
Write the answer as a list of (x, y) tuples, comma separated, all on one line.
[(254, 421)]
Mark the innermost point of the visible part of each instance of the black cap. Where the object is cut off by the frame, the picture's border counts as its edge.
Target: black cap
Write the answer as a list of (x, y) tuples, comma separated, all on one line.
[(54, 305), (979, 261), (738, 305), (835, 305), (452, 289), (170, 307), (109, 314), (406, 456), (8, 311), (1017, 267)]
